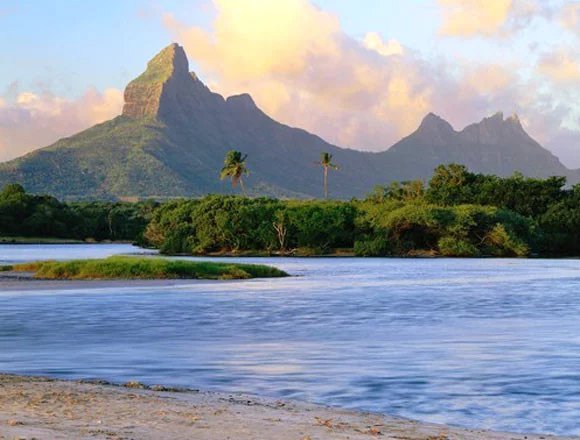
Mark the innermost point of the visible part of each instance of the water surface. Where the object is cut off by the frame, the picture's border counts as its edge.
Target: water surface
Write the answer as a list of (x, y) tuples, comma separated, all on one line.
[(479, 343)]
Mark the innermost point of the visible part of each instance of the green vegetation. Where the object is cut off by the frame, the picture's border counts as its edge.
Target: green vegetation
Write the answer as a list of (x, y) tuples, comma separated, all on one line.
[(458, 214), (29, 218), (110, 161), (144, 268), (234, 224), (235, 168), (174, 133), (159, 68), (394, 228)]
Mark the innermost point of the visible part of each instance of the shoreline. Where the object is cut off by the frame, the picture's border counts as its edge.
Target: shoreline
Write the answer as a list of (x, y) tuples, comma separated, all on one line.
[(43, 407), (55, 241), (347, 253), (29, 284)]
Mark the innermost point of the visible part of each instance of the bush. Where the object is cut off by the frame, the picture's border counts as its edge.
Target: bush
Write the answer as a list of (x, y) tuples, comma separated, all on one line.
[(377, 247), (321, 225), (464, 230), (500, 242), (232, 224), (456, 247)]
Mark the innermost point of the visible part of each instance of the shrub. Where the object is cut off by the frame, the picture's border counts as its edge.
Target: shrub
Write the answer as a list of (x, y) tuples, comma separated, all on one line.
[(376, 247), (502, 243), (456, 247)]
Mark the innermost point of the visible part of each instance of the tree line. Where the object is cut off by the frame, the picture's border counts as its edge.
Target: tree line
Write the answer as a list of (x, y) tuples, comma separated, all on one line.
[(457, 213), (27, 215)]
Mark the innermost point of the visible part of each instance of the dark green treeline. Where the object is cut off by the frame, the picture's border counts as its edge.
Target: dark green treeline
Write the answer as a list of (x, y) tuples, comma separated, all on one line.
[(458, 213), (26, 215)]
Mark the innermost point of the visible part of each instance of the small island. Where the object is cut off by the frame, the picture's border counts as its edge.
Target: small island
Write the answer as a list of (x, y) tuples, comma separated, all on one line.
[(141, 268)]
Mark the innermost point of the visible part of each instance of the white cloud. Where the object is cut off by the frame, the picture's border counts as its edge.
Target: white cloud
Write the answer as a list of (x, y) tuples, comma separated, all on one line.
[(32, 120), (489, 18), (373, 41), (570, 16), (561, 66)]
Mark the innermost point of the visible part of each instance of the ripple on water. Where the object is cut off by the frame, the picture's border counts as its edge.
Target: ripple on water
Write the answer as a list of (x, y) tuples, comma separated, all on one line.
[(480, 343)]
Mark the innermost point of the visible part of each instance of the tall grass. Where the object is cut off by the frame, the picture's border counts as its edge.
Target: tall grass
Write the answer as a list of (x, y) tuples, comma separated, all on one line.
[(146, 268)]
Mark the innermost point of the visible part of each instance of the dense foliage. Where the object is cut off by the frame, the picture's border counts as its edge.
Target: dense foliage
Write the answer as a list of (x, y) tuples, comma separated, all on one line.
[(390, 227), (26, 215), (458, 213), (229, 223)]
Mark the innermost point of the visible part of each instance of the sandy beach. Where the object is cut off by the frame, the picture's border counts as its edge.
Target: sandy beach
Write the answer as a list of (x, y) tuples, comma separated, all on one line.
[(43, 408)]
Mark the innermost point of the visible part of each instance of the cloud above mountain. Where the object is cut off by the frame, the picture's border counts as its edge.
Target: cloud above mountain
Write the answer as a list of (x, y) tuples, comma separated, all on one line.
[(363, 89), (561, 66), (29, 120), (304, 69), (490, 18)]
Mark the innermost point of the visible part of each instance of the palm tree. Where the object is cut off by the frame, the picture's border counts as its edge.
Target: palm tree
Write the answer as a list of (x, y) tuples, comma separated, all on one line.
[(326, 162), (235, 168)]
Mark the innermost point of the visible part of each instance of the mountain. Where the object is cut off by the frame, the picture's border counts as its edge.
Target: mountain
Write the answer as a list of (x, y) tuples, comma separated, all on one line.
[(493, 146), (174, 132)]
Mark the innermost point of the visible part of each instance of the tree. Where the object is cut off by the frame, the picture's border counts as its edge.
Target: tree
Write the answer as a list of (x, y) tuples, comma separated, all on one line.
[(235, 168), (281, 227), (326, 162)]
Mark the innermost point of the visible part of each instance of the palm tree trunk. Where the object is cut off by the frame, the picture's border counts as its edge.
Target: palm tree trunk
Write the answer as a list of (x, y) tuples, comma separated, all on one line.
[(326, 182), (242, 186)]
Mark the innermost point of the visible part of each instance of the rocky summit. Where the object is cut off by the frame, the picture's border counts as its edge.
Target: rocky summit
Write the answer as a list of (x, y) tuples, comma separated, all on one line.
[(174, 131)]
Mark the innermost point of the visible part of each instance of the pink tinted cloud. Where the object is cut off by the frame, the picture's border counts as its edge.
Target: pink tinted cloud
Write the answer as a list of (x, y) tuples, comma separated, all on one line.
[(363, 94), (31, 120)]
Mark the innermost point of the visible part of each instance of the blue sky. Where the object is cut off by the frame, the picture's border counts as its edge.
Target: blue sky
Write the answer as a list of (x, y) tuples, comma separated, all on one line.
[(71, 60), (68, 45)]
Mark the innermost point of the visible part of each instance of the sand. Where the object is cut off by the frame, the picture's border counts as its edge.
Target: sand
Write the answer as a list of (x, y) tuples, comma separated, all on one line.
[(42, 408)]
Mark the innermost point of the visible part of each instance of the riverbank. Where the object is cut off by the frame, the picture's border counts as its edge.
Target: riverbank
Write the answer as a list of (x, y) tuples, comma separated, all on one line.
[(36, 407), (52, 240)]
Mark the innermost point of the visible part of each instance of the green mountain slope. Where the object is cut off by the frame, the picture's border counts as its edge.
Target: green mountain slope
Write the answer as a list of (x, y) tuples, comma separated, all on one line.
[(174, 132)]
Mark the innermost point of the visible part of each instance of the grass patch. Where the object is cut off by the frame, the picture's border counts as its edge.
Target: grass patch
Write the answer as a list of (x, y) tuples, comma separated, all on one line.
[(129, 268)]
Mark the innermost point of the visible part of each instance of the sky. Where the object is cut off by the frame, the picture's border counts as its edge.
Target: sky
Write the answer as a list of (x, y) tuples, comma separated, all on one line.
[(360, 73)]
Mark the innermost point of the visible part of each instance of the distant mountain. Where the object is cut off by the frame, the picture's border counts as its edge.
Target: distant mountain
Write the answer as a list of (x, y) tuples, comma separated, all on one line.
[(493, 146), (174, 132)]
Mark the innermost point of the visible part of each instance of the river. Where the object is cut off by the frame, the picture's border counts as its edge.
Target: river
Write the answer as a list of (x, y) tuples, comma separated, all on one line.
[(484, 343)]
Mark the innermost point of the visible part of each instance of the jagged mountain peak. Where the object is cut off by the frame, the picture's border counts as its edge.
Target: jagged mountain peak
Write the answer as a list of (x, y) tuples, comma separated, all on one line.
[(495, 129), (165, 72), (171, 60), (243, 101), (431, 120), (514, 120), (175, 132), (167, 90), (434, 129), (498, 119)]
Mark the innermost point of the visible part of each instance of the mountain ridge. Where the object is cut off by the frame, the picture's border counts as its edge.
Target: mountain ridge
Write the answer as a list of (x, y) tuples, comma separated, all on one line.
[(174, 131)]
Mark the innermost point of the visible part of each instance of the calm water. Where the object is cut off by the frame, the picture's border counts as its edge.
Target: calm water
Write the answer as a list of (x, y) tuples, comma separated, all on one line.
[(480, 343)]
